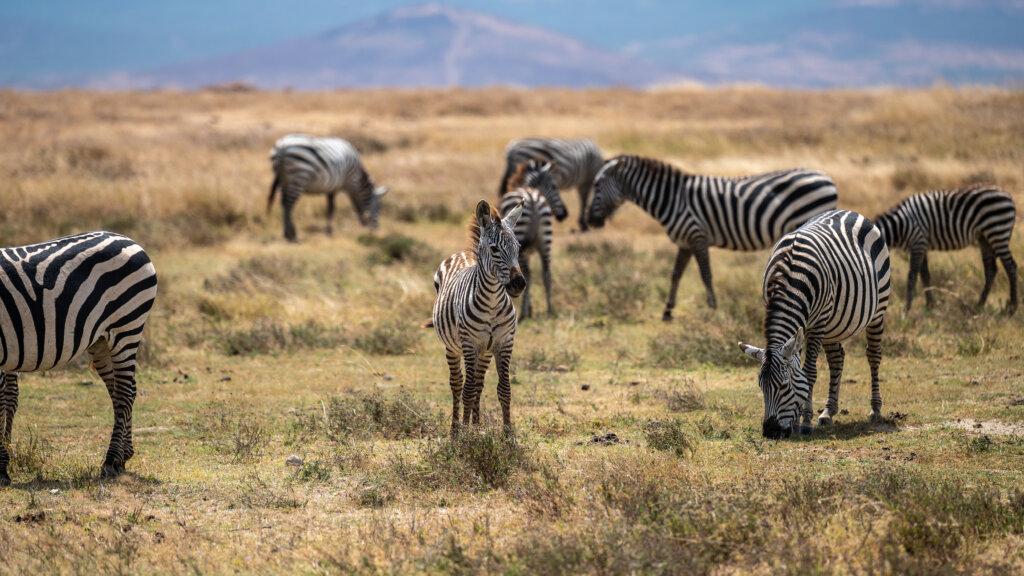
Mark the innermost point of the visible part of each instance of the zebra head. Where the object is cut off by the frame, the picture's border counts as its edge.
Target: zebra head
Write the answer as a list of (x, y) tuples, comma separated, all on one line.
[(369, 213), (498, 249), (538, 176), (608, 194), (783, 384)]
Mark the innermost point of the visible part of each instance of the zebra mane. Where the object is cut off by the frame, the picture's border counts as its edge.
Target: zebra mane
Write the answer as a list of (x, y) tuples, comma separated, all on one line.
[(473, 230), (775, 286), (518, 179)]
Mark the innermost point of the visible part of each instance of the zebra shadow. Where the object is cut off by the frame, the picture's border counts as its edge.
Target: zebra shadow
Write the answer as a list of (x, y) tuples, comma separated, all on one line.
[(127, 480), (849, 430)]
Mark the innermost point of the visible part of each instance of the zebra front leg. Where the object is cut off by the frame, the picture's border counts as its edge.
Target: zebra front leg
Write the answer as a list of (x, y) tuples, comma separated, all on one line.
[(811, 372), (704, 261), (330, 214), (504, 360), (874, 354), (8, 406), (836, 357), (988, 260), (682, 259), (481, 374), (584, 190), (926, 280), (545, 263), (455, 381), (470, 359), (287, 205), (119, 376), (917, 254)]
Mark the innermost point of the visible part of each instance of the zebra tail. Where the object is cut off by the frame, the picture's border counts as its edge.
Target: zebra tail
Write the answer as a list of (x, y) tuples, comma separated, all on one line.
[(273, 192), (503, 186), (428, 324)]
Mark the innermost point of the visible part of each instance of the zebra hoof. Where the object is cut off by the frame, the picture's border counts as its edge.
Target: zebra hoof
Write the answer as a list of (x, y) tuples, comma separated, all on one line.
[(111, 470), (667, 316), (824, 421), (875, 417), (5, 480), (806, 429)]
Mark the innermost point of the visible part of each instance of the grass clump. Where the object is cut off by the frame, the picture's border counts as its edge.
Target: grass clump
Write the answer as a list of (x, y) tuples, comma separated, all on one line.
[(243, 435), (397, 248), (479, 460), (270, 337), (389, 338), (668, 437), (684, 347), (365, 415)]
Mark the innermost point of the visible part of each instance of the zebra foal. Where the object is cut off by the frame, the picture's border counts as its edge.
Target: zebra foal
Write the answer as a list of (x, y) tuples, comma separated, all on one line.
[(533, 229), (474, 316), (825, 283), (952, 220), (575, 163), (89, 293), (698, 212), (306, 165)]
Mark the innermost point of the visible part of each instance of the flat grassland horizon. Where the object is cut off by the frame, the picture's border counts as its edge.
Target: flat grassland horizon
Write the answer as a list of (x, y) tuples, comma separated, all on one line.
[(638, 446)]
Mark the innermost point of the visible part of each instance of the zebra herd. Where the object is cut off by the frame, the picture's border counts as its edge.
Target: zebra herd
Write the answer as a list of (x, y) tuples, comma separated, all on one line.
[(827, 278)]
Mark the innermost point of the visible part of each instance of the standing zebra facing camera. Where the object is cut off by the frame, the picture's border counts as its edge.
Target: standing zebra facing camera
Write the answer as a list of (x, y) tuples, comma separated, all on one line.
[(575, 163), (89, 293), (826, 282), (474, 316), (698, 212), (533, 228), (952, 220), (306, 165)]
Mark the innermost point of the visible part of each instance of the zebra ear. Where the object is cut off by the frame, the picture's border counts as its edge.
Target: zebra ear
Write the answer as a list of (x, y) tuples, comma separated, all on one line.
[(513, 215), (483, 213), (752, 351), (793, 345), (545, 167), (381, 191)]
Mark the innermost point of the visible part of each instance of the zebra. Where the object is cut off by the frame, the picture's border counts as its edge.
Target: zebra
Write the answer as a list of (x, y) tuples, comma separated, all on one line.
[(88, 292), (952, 220), (306, 165), (698, 212), (474, 316), (576, 162), (825, 283), (533, 231), (533, 174)]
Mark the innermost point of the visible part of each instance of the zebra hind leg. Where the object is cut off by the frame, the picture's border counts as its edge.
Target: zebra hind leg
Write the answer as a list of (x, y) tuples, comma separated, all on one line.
[(526, 310), (836, 357), (1011, 272), (874, 354), (811, 372), (704, 261), (988, 260), (926, 281), (8, 406), (545, 263), (682, 259), (481, 372), (503, 360), (118, 373), (330, 214)]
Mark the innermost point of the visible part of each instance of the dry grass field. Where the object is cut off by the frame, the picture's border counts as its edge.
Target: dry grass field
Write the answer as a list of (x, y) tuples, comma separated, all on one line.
[(638, 446)]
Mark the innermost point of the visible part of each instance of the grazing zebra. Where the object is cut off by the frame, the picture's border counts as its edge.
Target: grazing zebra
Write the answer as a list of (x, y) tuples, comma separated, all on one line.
[(951, 220), (533, 231), (576, 162), (474, 316), (827, 282), (306, 165), (89, 292), (533, 174), (699, 212)]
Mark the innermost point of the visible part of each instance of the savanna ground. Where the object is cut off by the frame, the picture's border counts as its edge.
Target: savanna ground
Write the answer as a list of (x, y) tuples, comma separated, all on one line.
[(638, 446)]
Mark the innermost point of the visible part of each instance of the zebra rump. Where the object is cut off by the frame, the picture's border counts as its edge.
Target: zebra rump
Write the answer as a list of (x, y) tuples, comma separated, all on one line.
[(88, 292), (575, 164), (952, 220)]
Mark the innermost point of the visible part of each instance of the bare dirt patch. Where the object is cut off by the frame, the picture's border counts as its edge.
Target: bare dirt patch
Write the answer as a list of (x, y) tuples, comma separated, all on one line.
[(988, 427)]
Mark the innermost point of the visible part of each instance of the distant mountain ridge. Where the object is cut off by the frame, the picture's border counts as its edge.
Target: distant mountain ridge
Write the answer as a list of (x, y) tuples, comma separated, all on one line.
[(429, 45)]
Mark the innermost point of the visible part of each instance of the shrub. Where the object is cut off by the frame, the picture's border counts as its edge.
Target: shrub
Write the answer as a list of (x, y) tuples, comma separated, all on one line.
[(390, 338), (667, 436)]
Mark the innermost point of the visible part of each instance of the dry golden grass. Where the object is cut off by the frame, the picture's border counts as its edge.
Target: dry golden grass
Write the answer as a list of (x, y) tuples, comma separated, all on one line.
[(258, 349)]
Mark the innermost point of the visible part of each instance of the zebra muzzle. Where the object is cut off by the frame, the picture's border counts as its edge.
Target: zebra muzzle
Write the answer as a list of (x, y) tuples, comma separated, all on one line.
[(516, 282)]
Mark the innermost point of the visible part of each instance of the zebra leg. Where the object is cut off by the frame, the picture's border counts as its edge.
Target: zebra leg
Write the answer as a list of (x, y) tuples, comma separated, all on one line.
[(504, 359), (917, 255), (118, 373), (811, 372), (704, 261), (330, 214), (470, 359), (682, 259), (584, 190), (545, 264), (526, 310), (836, 357), (455, 381), (481, 373), (874, 354), (288, 199), (8, 406), (1011, 271), (926, 279), (988, 260)]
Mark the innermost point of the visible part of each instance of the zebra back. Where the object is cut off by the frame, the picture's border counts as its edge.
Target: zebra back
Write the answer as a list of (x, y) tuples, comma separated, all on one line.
[(576, 162), (60, 297)]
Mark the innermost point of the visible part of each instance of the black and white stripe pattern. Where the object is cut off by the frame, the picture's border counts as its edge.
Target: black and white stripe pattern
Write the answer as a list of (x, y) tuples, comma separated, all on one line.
[(952, 220), (698, 212), (826, 282), (306, 165), (537, 175), (474, 316), (575, 162), (90, 293), (534, 232)]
